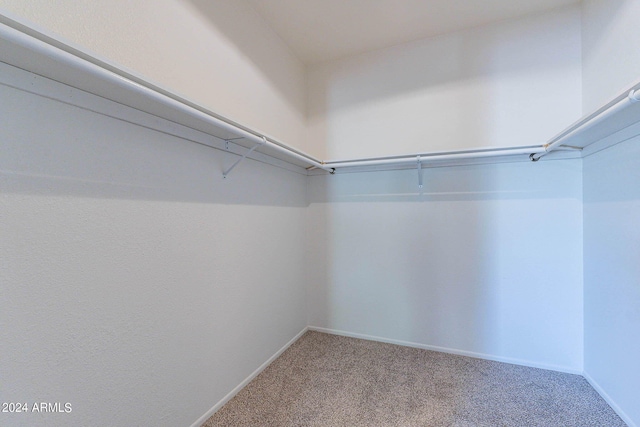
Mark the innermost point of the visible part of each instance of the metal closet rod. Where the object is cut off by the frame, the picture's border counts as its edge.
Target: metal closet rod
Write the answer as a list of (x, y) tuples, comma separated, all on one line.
[(30, 39), (423, 158), (631, 98)]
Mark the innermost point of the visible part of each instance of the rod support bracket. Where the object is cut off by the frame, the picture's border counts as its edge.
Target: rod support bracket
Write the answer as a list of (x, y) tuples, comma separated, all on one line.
[(634, 96), (244, 156), (419, 172)]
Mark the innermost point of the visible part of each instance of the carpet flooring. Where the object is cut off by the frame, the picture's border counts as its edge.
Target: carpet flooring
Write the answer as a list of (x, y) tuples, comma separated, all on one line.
[(328, 380)]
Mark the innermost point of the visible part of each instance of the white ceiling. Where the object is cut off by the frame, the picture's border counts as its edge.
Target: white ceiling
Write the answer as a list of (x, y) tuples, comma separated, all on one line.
[(323, 30)]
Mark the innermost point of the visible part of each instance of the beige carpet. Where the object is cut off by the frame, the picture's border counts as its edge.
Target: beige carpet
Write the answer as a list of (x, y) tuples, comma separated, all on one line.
[(327, 380)]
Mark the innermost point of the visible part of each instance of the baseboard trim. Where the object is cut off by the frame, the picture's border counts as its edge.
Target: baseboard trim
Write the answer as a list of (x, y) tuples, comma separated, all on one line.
[(609, 400), (247, 380), (512, 361)]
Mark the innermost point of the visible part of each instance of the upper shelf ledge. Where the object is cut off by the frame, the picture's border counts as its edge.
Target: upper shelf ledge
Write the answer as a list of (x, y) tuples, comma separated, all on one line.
[(615, 122), (33, 50)]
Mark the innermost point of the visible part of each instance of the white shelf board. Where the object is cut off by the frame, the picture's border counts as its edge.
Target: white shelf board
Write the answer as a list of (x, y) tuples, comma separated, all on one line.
[(43, 55), (57, 60), (614, 128)]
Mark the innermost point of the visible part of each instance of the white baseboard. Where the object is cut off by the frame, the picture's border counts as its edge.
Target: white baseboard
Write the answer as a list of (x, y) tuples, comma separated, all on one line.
[(609, 400), (246, 381), (521, 362), (513, 361)]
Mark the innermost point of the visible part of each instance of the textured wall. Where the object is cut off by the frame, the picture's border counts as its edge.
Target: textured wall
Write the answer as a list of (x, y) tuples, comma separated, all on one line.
[(514, 83), (487, 259), (611, 63), (612, 273), (136, 284)]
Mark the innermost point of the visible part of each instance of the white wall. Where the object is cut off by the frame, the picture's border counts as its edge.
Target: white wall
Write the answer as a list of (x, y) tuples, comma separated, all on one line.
[(218, 53), (511, 84), (611, 208), (486, 260), (612, 274), (136, 283), (611, 58)]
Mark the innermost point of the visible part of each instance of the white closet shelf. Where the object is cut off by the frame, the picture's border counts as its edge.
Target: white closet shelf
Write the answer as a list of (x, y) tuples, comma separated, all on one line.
[(611, 124), (36, 52)]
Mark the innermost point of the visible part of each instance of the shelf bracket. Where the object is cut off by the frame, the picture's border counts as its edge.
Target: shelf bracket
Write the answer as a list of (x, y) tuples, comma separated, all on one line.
[(419, 172), (244, 156)]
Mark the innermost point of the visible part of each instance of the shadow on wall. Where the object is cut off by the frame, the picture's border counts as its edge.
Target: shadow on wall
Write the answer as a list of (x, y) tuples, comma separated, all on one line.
[(265, 53), (58, 149), (134, 269), (504, 181), (393, 274), (490, 52), (452, 266), (613, 174)]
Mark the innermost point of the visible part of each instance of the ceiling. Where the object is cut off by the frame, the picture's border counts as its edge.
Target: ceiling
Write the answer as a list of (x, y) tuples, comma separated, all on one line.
[(324, 30)]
